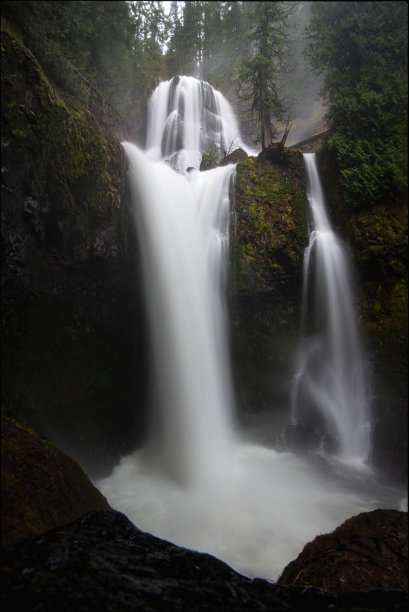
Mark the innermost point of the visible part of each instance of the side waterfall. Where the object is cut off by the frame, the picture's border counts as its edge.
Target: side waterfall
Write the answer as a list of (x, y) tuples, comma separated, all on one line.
[(330, 377), (198, 481)]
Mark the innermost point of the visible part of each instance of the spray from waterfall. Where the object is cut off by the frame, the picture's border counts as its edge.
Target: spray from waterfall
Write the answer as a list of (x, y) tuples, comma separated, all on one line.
[(198, 481)]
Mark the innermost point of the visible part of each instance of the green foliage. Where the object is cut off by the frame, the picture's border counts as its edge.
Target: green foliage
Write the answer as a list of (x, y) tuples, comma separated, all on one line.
[(206, 40), (108, 50), (362, 50)]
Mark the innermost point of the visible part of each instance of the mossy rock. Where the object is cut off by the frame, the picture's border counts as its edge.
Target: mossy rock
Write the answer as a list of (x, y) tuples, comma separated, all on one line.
[(70, 328), (78, 168), (270, 231), (42, 488)]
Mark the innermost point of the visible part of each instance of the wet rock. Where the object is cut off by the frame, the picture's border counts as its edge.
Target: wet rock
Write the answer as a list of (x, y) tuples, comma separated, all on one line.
[(368, 551), (103, 562)]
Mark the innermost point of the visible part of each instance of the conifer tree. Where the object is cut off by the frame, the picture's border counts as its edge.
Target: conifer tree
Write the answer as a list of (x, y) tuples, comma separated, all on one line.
[(258, 74), (362, 49)]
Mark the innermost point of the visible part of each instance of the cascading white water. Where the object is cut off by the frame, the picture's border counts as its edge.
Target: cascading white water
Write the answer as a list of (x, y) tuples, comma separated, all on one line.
[(331, 376), (198, 482), (183, 227), (187, 117)]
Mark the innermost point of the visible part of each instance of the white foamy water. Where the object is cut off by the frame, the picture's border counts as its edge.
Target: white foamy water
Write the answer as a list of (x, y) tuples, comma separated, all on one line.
[(257, 511), (197, 482), (331, 376), (186, 118)]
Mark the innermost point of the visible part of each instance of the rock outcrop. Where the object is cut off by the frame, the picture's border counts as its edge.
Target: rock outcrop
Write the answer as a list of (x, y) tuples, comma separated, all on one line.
[(367, 552), (103, 562)]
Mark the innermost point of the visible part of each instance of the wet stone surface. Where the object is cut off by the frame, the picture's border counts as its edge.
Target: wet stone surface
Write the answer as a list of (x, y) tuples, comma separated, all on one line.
[(103, 562)]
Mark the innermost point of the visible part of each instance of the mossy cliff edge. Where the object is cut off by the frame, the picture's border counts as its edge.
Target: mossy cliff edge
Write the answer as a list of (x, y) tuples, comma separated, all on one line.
[(71, 318)]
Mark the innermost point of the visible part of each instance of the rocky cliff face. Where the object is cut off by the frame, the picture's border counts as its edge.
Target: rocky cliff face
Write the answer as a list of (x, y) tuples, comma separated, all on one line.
[(268, 240), (72, 330)]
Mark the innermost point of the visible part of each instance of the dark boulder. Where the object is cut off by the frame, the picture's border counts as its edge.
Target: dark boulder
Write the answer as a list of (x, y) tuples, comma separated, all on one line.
[(368, 551), (42, 488), (103, 562)]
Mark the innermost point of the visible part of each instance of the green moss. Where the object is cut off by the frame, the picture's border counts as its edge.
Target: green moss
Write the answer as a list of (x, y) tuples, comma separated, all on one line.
[(271, 221), (57, 347), (79, 158)]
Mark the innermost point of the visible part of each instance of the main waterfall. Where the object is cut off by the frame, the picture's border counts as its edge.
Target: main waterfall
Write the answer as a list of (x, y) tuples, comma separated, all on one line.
[(198, 481)]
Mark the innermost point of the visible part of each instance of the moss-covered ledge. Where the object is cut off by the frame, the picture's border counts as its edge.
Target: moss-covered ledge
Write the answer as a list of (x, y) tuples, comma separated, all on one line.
[(270, 229)]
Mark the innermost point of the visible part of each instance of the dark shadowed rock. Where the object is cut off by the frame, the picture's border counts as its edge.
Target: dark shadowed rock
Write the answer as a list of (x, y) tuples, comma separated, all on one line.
[(103, 562), (73, 359), (368, 551), (42, 488)]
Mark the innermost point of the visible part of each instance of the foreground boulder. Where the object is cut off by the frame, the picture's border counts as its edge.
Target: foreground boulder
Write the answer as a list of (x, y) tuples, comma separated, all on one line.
[(103, 562), (42, 488), (368, 551)]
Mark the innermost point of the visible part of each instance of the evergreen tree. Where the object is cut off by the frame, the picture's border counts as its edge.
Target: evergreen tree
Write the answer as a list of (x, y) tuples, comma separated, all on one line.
[(174, 54), (258, 74), (230, 43), (361, 47), (91, 39)]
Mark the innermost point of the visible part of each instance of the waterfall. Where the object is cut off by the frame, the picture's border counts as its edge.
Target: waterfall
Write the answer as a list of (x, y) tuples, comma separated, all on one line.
[(331, 377), (183, 223), (199, 481), (186, 118)]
